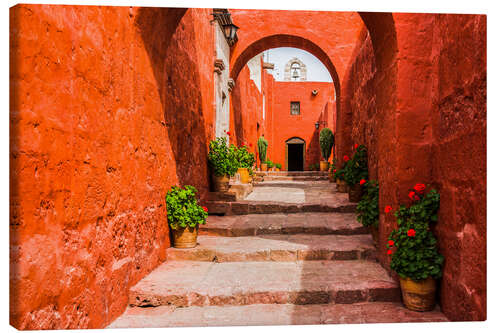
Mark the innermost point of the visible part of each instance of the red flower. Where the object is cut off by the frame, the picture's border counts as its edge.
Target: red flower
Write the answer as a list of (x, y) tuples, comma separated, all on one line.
[(356, 146), (362, 181), (250, 145), (228, 133), (391, 243), (419, 188), (346, 158), (334, 170), (205, 209), (389, 252), (411, 233), (387, 209)]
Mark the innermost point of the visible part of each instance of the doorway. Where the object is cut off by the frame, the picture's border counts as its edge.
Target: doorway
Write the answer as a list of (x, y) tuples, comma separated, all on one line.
[(295, 152)]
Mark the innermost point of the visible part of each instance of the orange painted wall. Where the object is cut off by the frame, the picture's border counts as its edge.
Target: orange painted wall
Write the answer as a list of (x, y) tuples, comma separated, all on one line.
[(109, 107), (284, 126)]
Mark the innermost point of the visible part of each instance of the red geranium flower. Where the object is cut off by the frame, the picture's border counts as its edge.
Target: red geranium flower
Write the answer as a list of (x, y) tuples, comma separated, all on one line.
[(228, 133), (411, 233), (419, 187), (391, 243), (362, 181), (205, 209), (387, 209), (356, 146), (389, 252), (334, 170), (346, 158)]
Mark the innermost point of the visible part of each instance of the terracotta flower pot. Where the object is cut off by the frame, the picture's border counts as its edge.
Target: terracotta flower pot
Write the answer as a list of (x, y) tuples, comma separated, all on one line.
[(355, 193), (244, 175), (263, 166), (418, 295), (185, 238), (221, 183), (323, 166), (278, 169), (342, 186)]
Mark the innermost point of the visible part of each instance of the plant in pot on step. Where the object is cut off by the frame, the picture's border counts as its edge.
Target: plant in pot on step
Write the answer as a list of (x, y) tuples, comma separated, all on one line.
[(269, 164), (325, 144), (223, 163), (262, 147), (339, 176), (356, 170), (331, 173), (414, 251), (246, 160), (278, 166), (367, 209), (184, 215)]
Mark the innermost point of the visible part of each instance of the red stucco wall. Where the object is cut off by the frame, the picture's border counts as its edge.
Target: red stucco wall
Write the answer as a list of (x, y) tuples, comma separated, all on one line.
[(439, 138), (109, 107), (313, 109)]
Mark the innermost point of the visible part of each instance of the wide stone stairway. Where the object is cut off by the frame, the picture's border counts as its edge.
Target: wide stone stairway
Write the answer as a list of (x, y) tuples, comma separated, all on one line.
[(291, 252)]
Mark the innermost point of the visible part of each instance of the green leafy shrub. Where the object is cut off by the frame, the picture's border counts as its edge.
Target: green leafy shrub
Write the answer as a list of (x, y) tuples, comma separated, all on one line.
[(262, 147), (245, 158), (326, 142), (339, 174), (269, 164), (183, 209), (367, 208), (222, 159), (416, 253), (278, 165), (356, 168)]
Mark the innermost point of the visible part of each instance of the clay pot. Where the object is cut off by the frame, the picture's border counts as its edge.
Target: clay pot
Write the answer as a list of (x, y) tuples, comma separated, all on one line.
[(323, 166), (418, 295), (221, 183), (355, 193), (185, 238), (375, 234), (342, 186), (278, 169), (263, 166), (244, 175)]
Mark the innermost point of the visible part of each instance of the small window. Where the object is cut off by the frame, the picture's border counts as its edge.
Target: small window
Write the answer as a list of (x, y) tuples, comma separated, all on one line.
[(294, 108)]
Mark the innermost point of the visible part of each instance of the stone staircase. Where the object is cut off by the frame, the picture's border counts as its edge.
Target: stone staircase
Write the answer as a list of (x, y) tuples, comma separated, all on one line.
[(273, 263)]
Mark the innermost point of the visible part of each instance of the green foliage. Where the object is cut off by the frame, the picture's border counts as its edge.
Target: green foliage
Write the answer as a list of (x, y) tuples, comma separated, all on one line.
[(357, 167), (262, 146), (278, 165), (367, 208), (183, 209), (244, 157), (326, 142), (269, 164), (417, 256), (222, 159)]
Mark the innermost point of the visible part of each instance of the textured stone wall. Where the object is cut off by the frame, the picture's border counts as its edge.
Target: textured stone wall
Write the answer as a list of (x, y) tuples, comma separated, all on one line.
[(110, 106), (438, 135)]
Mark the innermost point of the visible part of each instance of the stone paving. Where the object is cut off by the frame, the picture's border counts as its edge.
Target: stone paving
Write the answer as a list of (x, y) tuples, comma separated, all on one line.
[(291, 253)]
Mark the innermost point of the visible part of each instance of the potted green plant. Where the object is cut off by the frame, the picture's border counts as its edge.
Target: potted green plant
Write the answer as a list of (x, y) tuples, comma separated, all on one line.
[(269, 164), (331, 173), (246, 160), (223, 163), (326, 144), (414, 251), (339, 176), (356, 170), (368, 211), (278, 166), (262, 147), (184, 215)]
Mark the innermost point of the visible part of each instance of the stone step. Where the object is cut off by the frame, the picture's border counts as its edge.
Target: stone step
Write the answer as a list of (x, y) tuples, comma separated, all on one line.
[(291, 173), (221, 196), (269, 224), (296, 178), (297, 184), (273, 314), (277, 248), (340, 205), (197, 283)]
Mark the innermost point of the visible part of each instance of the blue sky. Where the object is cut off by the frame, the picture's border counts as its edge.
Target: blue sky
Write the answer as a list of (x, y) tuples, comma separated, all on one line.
[(316, 71)]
